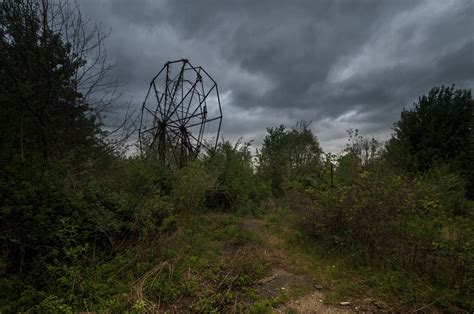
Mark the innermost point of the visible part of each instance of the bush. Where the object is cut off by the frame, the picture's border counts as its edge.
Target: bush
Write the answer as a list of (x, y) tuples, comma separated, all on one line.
[(57, 222), (190, 186), (42, 213), (437, 130), (236, 186), (422, 225), (286, 156)]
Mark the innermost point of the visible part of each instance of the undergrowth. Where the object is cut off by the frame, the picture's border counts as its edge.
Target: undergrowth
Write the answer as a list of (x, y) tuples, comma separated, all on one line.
[(204, 267), (345, 277)]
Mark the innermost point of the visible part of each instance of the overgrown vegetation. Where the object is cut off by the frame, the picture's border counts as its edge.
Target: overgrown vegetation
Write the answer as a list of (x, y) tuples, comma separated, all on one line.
[(85, 228)]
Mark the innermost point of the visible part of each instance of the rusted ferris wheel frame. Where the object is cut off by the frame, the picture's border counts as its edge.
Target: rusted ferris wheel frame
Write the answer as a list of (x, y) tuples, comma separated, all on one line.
[(175, 114)]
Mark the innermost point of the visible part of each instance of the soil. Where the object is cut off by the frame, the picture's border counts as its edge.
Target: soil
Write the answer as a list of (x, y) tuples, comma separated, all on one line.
[(312, 303), (279, 281), (283, 280)]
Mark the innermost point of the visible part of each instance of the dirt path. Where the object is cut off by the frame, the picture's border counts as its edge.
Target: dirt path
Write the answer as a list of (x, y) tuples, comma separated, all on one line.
[(303, 295)]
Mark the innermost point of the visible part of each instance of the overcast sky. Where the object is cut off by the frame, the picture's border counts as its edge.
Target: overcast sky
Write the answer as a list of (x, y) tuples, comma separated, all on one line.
[(340, 64)]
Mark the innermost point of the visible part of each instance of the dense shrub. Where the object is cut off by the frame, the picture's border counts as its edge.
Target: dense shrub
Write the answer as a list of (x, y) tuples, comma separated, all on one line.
[(40, 211), (437, 130), (236, 186), (288, 156), (58, 221), (421, 225), (190, 185)]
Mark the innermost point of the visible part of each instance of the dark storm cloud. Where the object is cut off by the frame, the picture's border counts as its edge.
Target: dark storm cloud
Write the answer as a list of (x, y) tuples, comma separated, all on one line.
[(340, 64)]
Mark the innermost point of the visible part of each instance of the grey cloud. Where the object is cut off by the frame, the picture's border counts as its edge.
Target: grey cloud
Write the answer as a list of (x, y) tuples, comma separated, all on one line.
[(338, 63)]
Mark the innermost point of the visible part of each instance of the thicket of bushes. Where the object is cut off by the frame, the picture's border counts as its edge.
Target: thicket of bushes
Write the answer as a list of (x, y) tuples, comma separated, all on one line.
[(56, 223), (422, 225)]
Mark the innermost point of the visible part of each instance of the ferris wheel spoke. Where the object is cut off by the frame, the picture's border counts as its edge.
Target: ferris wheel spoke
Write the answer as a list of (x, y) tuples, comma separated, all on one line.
[(200, 103), (151, 112), (150, 129), (182, 100), (176, 134), (168, 90), (204, 100), (198, 74), (200, 142), (204, 121), (177, 81), (173, 128), (201, 130), (158, 99), (182, 92), (183, 121)]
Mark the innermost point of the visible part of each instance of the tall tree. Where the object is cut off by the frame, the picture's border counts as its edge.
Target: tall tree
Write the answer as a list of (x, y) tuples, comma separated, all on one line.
[(438, 129), (46, 83), (287, 154)]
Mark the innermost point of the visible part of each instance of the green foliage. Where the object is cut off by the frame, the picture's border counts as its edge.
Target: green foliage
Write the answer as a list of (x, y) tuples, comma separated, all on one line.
[(200, 269), (41, 111), (33, 201), (362, 150), (416, 224), (55, 209), (438, 130), (54, 304), (236, 187), (140, 177), (63, 232), (287, 155), (58, 222), (191, 183)]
